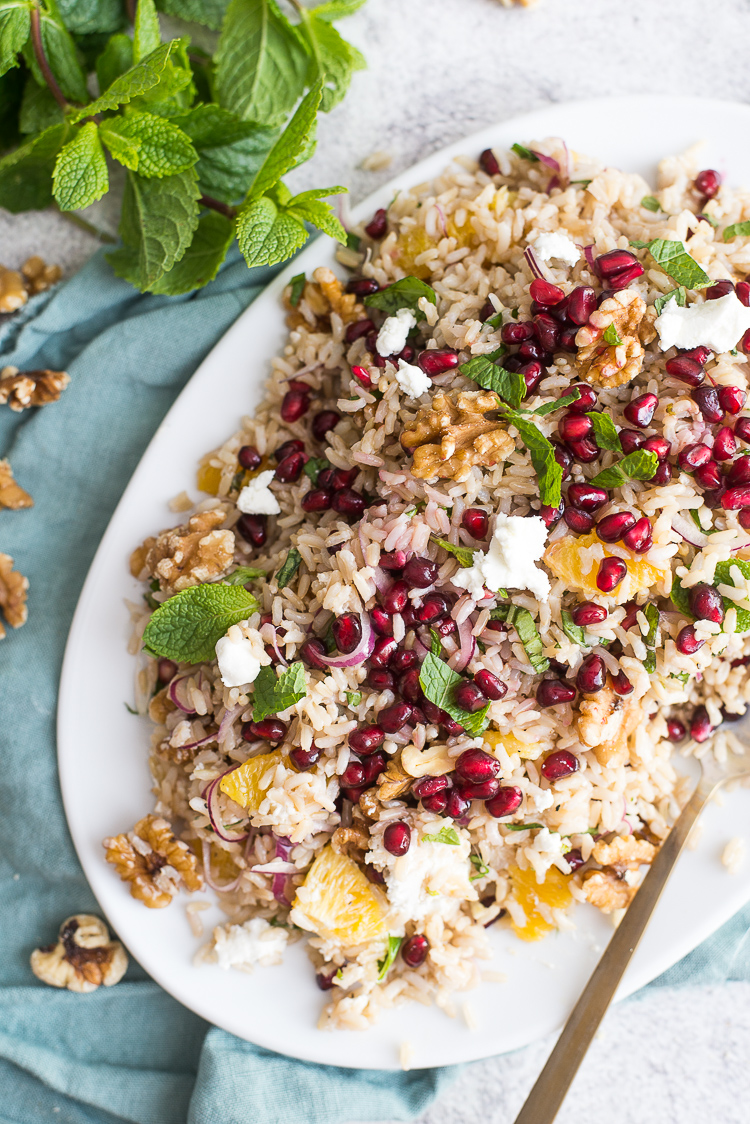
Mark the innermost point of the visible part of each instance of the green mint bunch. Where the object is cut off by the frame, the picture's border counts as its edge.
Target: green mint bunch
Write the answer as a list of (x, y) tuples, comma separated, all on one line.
[(204, 139)]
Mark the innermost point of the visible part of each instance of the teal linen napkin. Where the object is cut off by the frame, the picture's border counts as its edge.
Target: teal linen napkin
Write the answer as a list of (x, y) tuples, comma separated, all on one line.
[(131, 1053)]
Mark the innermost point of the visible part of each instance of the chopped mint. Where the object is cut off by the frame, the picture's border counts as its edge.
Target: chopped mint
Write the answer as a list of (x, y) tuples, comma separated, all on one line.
[(298, 285), (557, 404), (573, 631), (314, 467), (605, 434), (679, 295), (394, 944), (482, 870), (271, 695), (436, 645), (353, 698), (638, 465), (523, 622), (288, 568), (439, 682), (722, 576), (464, 554), (130, 709), (651, 203), (522, 826), (353, 241), (736, 230), (683, 676), (405, 293), (525, 153), (651, 639), (612, 336), (243, 574), (445, 835), (510, 385), (678, 264), (187, 627)]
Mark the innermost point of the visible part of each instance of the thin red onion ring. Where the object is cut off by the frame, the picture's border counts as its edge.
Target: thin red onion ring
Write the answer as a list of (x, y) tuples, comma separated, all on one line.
[(468, 645), (208, 878), (532, 263), (212, 807), (362, 652), (548, 160), (589, 255), (687, 530), (177, 696)]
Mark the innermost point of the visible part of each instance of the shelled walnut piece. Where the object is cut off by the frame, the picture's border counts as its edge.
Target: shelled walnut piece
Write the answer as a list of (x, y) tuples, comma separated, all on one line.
[(16, 286), (187, 555), (13, 592), (606, 364), (323, 295), (83, 958), (12, 495), (153, 861), (22, 389), (453, 433)]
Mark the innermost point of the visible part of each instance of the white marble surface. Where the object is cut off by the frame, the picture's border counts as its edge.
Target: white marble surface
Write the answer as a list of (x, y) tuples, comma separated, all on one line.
[(438, 70)]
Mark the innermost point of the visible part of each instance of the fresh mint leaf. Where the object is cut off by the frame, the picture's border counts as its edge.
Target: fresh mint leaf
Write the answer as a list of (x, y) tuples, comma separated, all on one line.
[(683, 676), (651, 203), (612, 336), (26, 172), (62, 56), (146, 33), (315, 465), (80, 176), (736, 230), (550, 407), (573, 631), (679, 295), (438, 683), (332, 59), (226, 170), (405, 293), (262, 62), (11, 94), (638, 465), (272, 695), (187, 627), (337, 9), (115, 59), (353, 698), (482, 870), (161, 148), (15, 28), (289, 147), (39, 110), (91, 17), (722, 576), (297, 285), (436, 644), (210, 13), (542, 453), (445, 835), (202, 260), (510, 385), (311, 208), (583, 183), (525, 153), (637, 243), (352, 240), (495, 321), (133, 83), (676, 262), (464, 554), (394, 944), (522, 826), (651, 639), (243, 574), (288, 568), (267, 234), (605, 434), (694, 516), (523, 622), (175, 91)]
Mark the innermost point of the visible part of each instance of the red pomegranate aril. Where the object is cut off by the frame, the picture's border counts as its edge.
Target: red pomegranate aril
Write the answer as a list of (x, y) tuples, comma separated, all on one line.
[(395, 560), (676, 731), (708, 403), (438, 361), (395, 717), (568, 340), (719, 289), (377, 225), (347, 632), (744, 344), (530, 349), (362, 376), (574, 427), (553, 692), (739, 471), (474, 766), (686, 370), (559, 764), (436, 803), (366, 739), (742, 429), (303, 759), (612, 527), (579, 521), (610, 574), (319, 499), (725, 444), (476, 522), (395, 599), (420, 572), (487, 311), (586, 402), (295, 404), (492, 687), (381, 621), (735, 498), (532, 375), (433, 608), (348, 502), (353, 775), (615, 261), (409, 617), (621, 684), (742, 289), (581, 303), (249, 457), (414, 950), (708, 182), (403, 660), (252, 528), (270, 729), (584, 451), (488, 163), (587, 497), (640, 411), (290, 468), (700, 725), (592, 675), (323, 423), (167, 670), (409, 685), (481, 790), (547, 331), (457, 804), (374, 765), (687, 642), (383, 650), (544, 292), (588, 612), (469, 697), (693, 456), (505, 802), (744, 519), (658, 445), (311, 651), (706, 603), (380, 680), (325, 981), (732, 398), (551, 515), (517, 332), (429, 786), (362, 286), (340, 478), (708, 475), (574, 859), (662, 475), (407, 354), (563, 458), (397, 838), (451, 727), (631, 439), (622, 280), (358, 329), (433, 713), (639, 538)]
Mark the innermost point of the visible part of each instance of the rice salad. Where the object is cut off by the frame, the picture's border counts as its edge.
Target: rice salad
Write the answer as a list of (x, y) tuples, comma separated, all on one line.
[(419, 659)]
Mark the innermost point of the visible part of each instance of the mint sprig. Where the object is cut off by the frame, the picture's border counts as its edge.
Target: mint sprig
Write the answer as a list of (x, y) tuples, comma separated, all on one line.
[(405, 293), (464, 554), (638, 465), (187, 627), (678, 264), (439, 682), (523, 622), (271, 695)]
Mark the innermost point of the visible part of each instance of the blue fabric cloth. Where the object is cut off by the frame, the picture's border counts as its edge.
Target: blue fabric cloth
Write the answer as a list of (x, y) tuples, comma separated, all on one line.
[(131, 1053)]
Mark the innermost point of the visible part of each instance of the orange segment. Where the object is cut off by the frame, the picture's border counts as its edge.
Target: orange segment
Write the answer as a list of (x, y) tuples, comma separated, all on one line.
[(567, 560), (243, 784), (410, 245), (209, 479), (553, 892), (511, 744), (337, 902)]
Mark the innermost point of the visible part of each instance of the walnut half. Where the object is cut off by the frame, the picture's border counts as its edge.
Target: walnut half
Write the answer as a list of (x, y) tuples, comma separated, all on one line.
[(453, 434), (13, 590), (186, 555), (12, 495), (607, 364), (83, 958), (22, 389), (153, 862)]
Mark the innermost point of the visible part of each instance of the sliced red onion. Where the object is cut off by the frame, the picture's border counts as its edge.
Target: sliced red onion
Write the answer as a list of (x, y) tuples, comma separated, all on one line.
[(420, 648), (741, 546), (212, 737), (226, 722), (468, 645), (567, 170), (214, 814), (589, 255), (284, 849), (208, 878), (382, 582), (548, 160), (362, 652), (553, 183), (533, 264), (443, 224), (275, 866), (177, 692), (686, 529)]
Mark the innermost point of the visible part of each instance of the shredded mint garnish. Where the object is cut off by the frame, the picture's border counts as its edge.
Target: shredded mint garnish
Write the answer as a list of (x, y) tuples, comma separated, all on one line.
[(521, 826), (445, 835), (288, 568), (353, 698), (495, 321), (353, 241), (243, 574), (438, 683), (482, 870), (510, 385), (523, 622), (394, 944), (464, 554), (605, 434), (405, 293), (677, 263), (130, 709), (436, 644), (736, 230), (722, 576), (573, 631), (679, 295), (298, 284), (651, 639), (683, 676), (612, 336), (651, 203), (526, 153), (272, 695), (638, 465), (187, 627), (699, 525), (314, 467), (557, 404)]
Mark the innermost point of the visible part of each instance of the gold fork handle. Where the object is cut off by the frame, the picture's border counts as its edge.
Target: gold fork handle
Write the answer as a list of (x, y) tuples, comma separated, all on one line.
[(548, 1093)]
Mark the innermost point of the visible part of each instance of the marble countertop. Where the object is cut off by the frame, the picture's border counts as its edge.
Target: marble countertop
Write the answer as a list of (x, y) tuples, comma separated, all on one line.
[(439, 70)]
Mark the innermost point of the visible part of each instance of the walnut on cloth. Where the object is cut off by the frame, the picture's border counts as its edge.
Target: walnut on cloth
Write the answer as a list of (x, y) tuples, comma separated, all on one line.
[(17, 286), (605, 364), (22, 389), (83, 958), (153, 862), (38, 276), (452, 434), (12, 495), (187, 555), (13, 591)]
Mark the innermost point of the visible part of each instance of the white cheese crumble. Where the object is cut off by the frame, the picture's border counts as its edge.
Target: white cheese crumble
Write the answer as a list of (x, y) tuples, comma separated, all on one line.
[(256, 498), (556, 245), (239, 657), (733, 855), (244, 946), (430, 877), (517, 542), (718, 324), (392, 336), (412, 380)]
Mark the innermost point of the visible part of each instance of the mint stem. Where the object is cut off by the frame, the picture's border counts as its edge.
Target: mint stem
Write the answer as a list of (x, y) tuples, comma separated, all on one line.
[(41, 58), (217, 205), (89, 227)]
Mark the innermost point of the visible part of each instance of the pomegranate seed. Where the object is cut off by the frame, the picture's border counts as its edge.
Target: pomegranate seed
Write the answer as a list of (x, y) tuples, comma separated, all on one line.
[(414, 950), (732, 398), (592, 675), (532, 375), (409, 617), (662, 475), (568, 340), (505, 802), (545, 293), (409, 685), (366, 740), (249, 457), (742, 429), (358, 329), (373, 766), (325, 982), (476, 522), (433, 608), (744, 344), (640, 411), (380, 680), (693, 456), (574, 859), (735, 498), (469, 697), (394, 601), (383, 650), (438, 361), (574, 427), (584, 451), (530, 349), (612, 527), (487, 312), (420, 572), (631, 439), (700, 725), (377, 225), (708, 403), (581, 303), (622, 280), (353, 775), (579, 521), (489, 684), (323, 423), (488, 163), (708, 182), (563, 458), (610, 574), (481, 790), (588, 612), (396, 560), (685, 369), (289, 447), (362, 376), (433, 713), (517, 332), (457, 805), (706, 603), (725, 444), (631, 615), (587, 497), (347, 632), (295, 404), (676, 731), (436, 803), (252, 528), (739, 471), (290, 468), (403, 660), (474, 766), (362, 286), (621, 684), (348, 502), (687, 642), (552, 692), (586, 402), (744, 519), (311, 651), (303, 759), (270, 729), (397, 838), (393, 718), (382, 622), (319, 499), (616, 261), (430, 786), (719, 289), (559, 764), (551, 515), (742, 289), (658, 445), (708, 475), (639, 537)]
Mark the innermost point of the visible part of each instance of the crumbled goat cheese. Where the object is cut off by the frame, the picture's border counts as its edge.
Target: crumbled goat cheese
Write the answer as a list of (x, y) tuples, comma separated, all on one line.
[(412, 380), (256, 498), (392, 336), (244, 946), (238, 657), (718, 324), (429, 878), (733, 855), (517, 542), (542, 799), (556, 245)]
